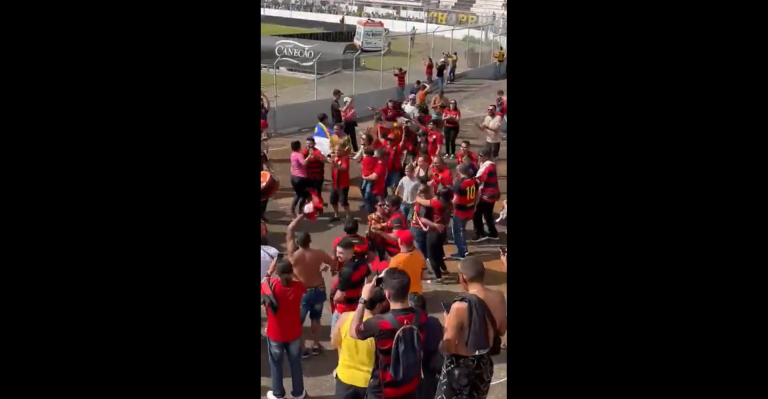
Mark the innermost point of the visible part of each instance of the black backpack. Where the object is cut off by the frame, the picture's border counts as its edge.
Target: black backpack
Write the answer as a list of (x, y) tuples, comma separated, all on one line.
[(407, 349)]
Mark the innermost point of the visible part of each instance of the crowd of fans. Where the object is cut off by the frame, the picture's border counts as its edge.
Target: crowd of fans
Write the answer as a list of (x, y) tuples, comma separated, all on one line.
[(389, 347)]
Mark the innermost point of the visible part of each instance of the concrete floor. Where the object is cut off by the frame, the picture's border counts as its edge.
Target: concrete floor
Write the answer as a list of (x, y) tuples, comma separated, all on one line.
[(473, 97)]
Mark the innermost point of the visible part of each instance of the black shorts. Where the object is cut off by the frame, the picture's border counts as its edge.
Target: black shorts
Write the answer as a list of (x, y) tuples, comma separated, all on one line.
[(340, 195), (345, 391)]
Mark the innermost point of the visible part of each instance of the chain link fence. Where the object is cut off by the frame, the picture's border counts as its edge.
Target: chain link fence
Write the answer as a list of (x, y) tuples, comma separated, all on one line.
[(473, 46)]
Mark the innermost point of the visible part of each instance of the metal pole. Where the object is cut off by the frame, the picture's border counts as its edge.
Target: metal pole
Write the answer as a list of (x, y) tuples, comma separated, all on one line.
[(408, 64), (432, 49), (452, 29), (318, 57), (466, 52), (482, 47), (274, 81), (426, 18), (354, 69), (493, 42), (381, 61)]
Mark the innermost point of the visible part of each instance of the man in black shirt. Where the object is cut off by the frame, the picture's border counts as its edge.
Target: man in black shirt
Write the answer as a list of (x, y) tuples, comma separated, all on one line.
[(335, 107), (440, 76), (396, 285)]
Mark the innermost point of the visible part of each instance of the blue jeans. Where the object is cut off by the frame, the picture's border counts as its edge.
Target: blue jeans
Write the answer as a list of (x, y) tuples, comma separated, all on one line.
[(504, 130), (459, 230), (368, 198), (400, 92), (499, 70), (312, 304), (407, 210), (393, 178), (420, 238), (276, 351), (334, 318), (439, 84)]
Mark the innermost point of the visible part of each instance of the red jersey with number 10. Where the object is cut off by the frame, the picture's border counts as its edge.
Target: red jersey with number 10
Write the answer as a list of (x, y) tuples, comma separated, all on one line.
[(464, 195)]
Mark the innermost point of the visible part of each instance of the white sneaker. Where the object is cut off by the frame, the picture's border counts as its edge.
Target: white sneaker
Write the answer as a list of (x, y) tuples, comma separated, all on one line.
[(302, 395), (270, 395)]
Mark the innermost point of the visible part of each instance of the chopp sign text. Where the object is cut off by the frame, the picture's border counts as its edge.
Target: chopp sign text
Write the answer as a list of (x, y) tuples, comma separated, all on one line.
[(452, 18)]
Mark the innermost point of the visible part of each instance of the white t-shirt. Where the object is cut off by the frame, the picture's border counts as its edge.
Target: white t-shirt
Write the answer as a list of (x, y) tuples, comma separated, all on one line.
[(409, 188), (494, 128), (267, 255), (411, 111)]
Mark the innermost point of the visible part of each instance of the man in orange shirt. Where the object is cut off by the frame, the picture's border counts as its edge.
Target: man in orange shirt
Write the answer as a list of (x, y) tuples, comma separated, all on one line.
[(410, 261)]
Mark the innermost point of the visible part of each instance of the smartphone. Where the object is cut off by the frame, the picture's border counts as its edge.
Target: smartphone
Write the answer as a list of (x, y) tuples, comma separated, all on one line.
[(446, 306)]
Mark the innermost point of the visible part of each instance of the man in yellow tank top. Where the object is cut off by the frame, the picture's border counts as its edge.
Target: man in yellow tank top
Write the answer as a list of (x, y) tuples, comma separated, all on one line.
[(356, 357), (500, 58)]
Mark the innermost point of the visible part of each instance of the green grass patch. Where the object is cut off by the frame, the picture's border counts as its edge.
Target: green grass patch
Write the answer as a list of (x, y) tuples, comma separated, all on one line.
[(397, 57), (267, 81), (272, 29)]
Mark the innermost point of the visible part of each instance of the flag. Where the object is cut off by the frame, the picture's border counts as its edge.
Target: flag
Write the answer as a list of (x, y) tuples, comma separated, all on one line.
[(322, 139)]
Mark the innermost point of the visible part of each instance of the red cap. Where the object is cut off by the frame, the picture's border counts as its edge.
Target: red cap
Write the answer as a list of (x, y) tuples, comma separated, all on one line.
[(405, 238)]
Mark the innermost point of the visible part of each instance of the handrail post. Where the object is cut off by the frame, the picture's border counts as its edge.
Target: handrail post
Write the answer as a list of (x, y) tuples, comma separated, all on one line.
[(408, 63), (274, 81), (451, 45), (381, 61), (354, 68), (432, 48)]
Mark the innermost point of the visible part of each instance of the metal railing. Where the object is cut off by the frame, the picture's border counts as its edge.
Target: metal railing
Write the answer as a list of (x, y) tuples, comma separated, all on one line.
[(473, 45)]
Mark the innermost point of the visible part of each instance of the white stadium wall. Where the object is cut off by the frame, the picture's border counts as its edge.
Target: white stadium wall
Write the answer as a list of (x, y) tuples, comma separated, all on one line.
[(392, 25)]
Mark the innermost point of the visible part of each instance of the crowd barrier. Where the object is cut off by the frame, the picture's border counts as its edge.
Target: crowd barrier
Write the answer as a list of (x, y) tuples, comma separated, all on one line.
[(291, 118)]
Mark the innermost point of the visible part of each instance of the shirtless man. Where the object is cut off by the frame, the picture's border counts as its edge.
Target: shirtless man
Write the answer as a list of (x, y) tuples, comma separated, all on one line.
[(478, 365), (308, 265)]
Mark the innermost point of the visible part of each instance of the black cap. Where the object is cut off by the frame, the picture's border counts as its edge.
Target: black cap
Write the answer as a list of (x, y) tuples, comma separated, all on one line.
[(483, 153), (337, 91)]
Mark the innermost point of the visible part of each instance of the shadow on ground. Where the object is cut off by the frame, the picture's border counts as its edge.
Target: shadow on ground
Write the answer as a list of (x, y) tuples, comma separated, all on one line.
[(316, 366)]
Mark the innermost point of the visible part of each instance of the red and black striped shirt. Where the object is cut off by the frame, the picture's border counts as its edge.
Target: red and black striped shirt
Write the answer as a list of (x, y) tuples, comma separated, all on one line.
[(351, 282), (490, 190), (361, 245), (395, 157), (396, 221), (382, 384), (464, 194), (315, 168), (441, 177), (400, 79)]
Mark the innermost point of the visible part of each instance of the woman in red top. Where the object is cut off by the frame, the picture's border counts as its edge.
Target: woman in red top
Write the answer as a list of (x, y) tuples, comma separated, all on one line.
[(284, 332), (435, 140), (430, 68), (451, 118), (436, 222)]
